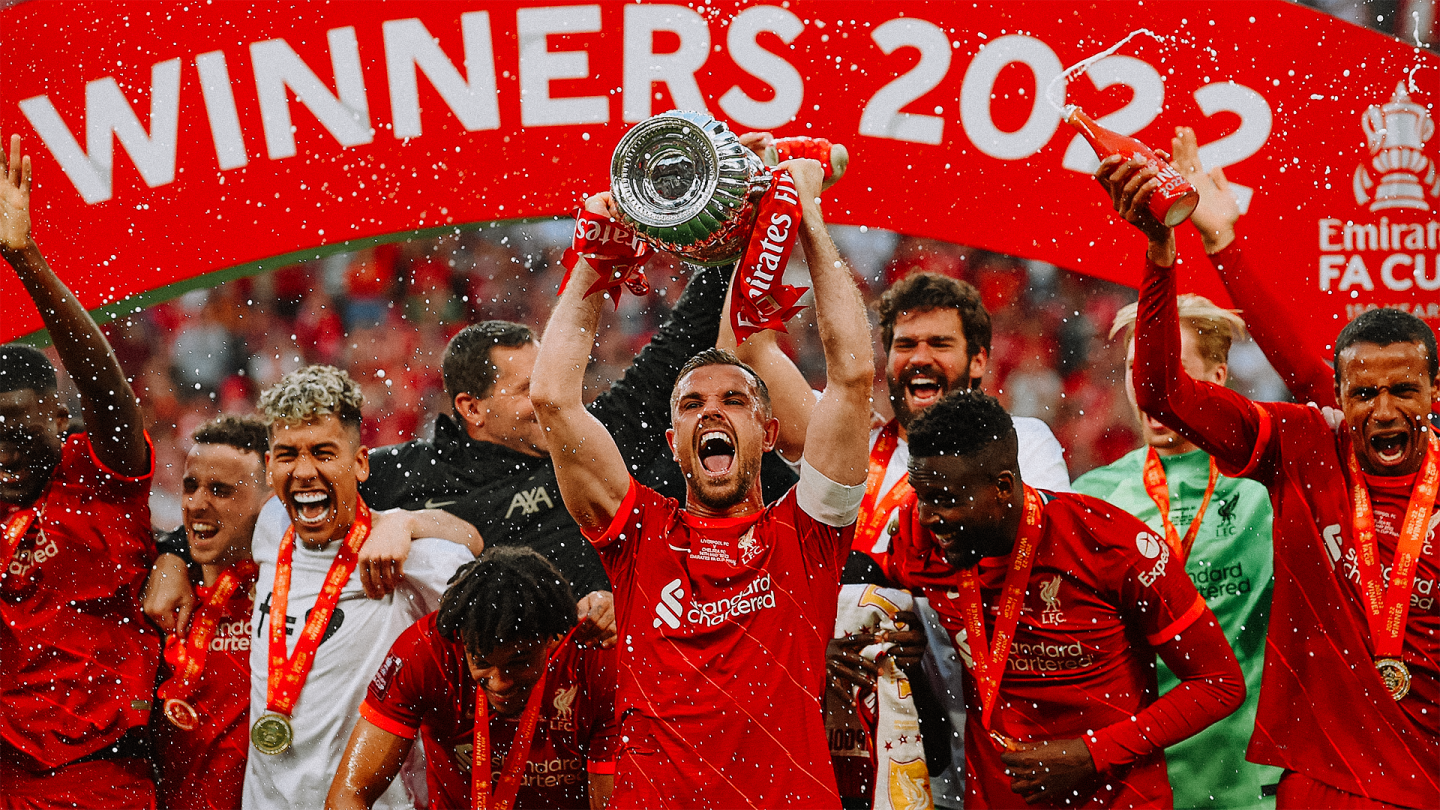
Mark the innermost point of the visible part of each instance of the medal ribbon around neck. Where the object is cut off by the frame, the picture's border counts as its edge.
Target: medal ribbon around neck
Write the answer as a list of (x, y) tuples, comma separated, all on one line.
[(875, 509), (1159, 491), (14, 532), (989, 659), (509, 784), (191, 650), (285, 678), (1388, 607)]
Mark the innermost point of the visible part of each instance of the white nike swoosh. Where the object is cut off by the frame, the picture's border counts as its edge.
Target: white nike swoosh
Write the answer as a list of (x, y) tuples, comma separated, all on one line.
[(431, 503)]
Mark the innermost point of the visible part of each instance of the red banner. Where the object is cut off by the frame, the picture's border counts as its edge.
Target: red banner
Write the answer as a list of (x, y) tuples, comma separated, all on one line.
[(179, 143)]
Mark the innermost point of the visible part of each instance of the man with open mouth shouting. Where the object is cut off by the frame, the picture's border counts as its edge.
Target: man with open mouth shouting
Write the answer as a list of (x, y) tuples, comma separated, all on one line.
[(1350, 694), (724, 607), (318, 638)]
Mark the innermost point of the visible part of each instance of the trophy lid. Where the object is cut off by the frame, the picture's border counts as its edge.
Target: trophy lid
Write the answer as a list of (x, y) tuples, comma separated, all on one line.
[(685, 182), (664, 170)]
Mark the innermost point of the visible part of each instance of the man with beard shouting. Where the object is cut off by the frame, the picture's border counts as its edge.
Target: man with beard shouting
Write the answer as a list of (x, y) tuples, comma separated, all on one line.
[(724, 607)]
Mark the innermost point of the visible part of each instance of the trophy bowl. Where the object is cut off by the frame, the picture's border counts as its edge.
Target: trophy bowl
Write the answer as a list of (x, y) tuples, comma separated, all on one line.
[(685, 184)]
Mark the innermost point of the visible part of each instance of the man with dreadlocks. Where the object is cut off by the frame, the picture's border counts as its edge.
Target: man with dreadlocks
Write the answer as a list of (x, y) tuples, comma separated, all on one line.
[(546, 722)]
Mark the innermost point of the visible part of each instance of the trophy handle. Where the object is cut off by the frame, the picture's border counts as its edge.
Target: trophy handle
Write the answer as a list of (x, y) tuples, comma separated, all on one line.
[(1373, 122)]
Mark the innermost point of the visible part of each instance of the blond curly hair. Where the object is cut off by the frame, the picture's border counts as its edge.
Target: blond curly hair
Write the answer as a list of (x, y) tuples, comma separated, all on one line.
[(310, 392)]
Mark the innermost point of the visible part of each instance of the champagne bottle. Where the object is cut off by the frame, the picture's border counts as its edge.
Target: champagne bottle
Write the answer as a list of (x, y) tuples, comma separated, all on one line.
[(1175, 199)]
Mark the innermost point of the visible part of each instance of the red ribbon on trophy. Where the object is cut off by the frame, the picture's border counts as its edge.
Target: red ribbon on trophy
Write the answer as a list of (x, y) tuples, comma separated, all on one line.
[(615, 252), (758, 299)]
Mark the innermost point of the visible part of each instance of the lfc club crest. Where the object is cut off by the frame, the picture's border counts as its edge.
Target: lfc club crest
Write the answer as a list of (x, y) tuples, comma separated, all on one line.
[(1396, 133)]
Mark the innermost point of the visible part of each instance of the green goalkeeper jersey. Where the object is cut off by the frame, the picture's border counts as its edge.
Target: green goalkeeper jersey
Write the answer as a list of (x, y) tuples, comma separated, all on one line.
[(1232, 567)]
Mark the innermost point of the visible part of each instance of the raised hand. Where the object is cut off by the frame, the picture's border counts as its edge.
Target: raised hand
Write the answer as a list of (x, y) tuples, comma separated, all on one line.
[(15, 200), (808, 175), (1217, 213), (596, 612), (1130, 182)]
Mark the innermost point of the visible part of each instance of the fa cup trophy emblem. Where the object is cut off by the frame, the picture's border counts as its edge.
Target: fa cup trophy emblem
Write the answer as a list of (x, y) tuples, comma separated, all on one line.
[(1396, 133)]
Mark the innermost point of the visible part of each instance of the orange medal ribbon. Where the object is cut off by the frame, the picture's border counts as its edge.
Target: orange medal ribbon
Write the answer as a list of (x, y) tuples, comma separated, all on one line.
[(1388, 607), (15, 529), (509, 784), (286, 678), (989, 659), (872, 513), (1159, 491), (190, 651)]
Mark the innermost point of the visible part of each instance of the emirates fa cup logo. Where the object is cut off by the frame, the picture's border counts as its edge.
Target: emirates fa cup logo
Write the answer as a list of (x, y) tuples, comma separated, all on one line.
[(1396, 133)]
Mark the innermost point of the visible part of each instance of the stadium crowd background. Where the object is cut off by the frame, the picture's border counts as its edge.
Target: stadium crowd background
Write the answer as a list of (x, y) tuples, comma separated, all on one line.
[(384, 314)]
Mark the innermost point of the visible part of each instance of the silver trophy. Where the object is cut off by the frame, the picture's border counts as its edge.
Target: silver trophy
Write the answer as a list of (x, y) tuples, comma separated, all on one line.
[(687, 185)]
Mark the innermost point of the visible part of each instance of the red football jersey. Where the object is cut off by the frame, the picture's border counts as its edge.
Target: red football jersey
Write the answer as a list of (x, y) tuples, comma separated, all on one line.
[(77, 657), (205, 767), (723, 625), (1103, 593), (1323, 709), (425, 685)]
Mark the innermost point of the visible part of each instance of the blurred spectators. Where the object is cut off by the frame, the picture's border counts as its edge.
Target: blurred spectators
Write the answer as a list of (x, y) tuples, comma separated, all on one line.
[(384, 314)]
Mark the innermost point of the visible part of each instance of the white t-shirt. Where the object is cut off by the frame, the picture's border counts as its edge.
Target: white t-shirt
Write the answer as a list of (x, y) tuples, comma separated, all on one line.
[(350, 653)]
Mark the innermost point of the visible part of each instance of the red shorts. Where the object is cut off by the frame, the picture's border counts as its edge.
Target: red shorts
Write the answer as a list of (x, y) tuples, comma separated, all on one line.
[(101, 784), (1300, 792)]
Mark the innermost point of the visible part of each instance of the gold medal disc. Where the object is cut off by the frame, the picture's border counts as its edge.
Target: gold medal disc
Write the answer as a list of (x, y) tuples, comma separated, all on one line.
[(181, 714), (1395, 675), (272, 734)]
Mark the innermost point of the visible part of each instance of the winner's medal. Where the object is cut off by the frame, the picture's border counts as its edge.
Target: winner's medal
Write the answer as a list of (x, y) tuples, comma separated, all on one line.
[(1395, 675), (285, 675), (1387, 605), (987, 659), (181, 714), (187, 655), (272, 734)]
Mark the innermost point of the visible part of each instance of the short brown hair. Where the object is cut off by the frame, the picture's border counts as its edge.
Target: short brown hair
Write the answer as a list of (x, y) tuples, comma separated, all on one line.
[(244, 433), (1215, 328), (721, 357), (926, 291)]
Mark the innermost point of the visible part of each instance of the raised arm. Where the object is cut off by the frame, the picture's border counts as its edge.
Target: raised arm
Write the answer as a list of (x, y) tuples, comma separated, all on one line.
[(791, 397), (1307, 376), (837, 438), (1222, 422), (592, 473), (108, 406)]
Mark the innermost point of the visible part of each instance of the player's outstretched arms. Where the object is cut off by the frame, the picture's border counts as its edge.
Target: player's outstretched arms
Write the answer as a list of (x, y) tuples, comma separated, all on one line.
[(592, 474), (837, 438), (1219, 420), (111, 412), (372, 758)]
